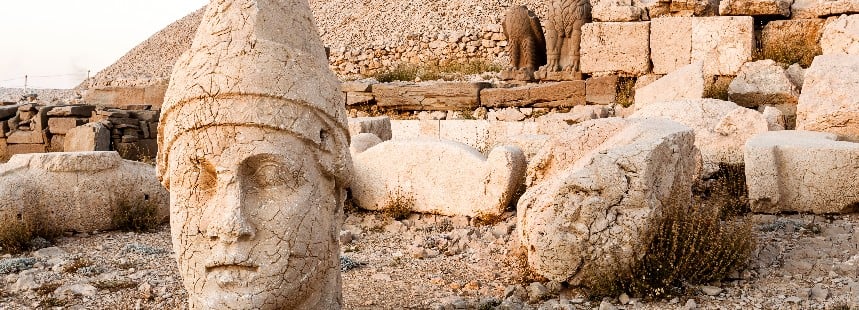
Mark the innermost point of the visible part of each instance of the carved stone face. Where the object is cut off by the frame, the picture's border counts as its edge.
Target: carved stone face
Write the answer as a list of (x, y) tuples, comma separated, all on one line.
[(251, 212)]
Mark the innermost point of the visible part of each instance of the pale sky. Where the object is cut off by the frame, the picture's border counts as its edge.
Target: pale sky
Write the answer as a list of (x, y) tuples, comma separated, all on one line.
[(55, 42)]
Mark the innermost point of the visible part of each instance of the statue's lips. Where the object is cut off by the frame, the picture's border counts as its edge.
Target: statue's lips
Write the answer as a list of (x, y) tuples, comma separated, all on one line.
[(231, 265)]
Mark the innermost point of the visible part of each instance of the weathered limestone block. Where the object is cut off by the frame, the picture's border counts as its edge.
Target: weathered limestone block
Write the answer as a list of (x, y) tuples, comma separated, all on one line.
[(724, 43), (616, 47), (356, 98), (775, 118), (685, 83), (73, 111), (694, 7), (81, 192), (721, 127), (601, 90), (429, 96), (564, 35), (841, 36), (124, 96), (670, 43), (14, 149), (595, 190), (617, 11), (363, 141), (553, 124), (26, 137), (802, 171), (797, 75), (837, 7), (437, 176), (755, 7), (87, 138), (761, 83), (792, 41), (545, 95), (526, 43), (379, 126), (828, 102), (62, 125), (804, 9), (254, 149)]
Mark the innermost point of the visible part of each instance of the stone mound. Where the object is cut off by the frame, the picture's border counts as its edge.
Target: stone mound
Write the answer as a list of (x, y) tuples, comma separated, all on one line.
[(152, 61)]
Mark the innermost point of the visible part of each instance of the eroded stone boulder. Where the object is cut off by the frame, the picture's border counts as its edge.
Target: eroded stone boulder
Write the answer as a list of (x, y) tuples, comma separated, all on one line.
[(802, 171), (828, 102), (82, 192), (622, 47), (685, 83), (841, 36), (379, 126), (87, 138), (762, 83), (437, 176), (721, 127), (595, 190)]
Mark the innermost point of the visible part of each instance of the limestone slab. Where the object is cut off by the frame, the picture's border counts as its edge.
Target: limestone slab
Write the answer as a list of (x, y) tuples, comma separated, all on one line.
[(553, 94), (723, 43), (379, 126), (841, 36), (62, 125), (685, 83), (801, 171), (429, 96), (755, 7), (622, 48), (828, 102), (87, 138), (837, 7), (762, 83), (26, 137), (601, 90), (670, 43)]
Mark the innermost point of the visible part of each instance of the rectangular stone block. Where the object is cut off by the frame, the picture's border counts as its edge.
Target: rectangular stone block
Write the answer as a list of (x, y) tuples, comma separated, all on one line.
[(26, 137), (601, 90), (670, 43), (429, 96), (803, 9), (801, 171), (4, 153), (379, 126), (474, 133), (57, 143), (723, 43), (73, 110), (622, 48), (792, 41), (755, 7), (837, 7), (8, 111), (62, 125), (544, 95), (405, 129), (14, 149), (359, 98)]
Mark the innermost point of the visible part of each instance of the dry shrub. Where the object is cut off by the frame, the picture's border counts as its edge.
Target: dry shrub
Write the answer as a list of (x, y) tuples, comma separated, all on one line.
[(484, 219), (15, 236), (137, 215), (716, 87), (399, 206), (726, 189), (690, 245), (75, 264), (625, 91)]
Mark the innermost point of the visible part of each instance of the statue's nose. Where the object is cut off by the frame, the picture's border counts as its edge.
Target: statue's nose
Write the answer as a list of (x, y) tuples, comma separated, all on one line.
[(228, 222)]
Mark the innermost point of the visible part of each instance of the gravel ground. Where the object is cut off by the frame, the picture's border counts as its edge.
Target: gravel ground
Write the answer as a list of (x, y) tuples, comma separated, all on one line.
[(435, 262)]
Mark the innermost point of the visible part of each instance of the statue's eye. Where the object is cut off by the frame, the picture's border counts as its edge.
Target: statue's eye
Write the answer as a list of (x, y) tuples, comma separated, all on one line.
[(268, 175)]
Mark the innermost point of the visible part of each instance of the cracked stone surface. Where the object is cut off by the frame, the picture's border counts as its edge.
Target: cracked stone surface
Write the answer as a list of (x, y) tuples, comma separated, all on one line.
[(828, 102), (596, 189), (255, 155), (841, 36), (437, 176), (76, 191), (721, 127), (802, 171)]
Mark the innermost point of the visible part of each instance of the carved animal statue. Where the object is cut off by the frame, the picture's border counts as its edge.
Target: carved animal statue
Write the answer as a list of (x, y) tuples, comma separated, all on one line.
[(564, 33), (526, 43)]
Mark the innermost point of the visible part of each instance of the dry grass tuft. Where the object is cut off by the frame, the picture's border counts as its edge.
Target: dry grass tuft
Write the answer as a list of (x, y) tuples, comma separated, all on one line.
[(136, 216), (15, 236)]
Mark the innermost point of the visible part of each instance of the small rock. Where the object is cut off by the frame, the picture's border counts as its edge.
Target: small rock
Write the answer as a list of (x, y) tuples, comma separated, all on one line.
[(517, 291), (605, 305), (537, 292), (26, 281), (145, 290), (793, 299), (690, 305), (711, 290), (623, 298), (78, 289), (345, 237), (819, 293)]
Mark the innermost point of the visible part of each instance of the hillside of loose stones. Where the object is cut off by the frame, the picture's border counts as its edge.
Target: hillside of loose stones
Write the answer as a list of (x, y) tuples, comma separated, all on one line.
[(436, 262)]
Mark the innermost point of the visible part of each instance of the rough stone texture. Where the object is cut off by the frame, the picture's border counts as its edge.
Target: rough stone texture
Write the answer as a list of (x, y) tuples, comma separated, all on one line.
[(72, 111), (26, 137), (837, 7), (761, 83), (616, 47), (670, 43), (601, 90), (755, 7), (721, 127), (802, 171), (379, 126), (553, 124), (254, 151), (685, 83), (125, 96), (595, 190), (797, 75), (437, 176), (80, 192), (724, 43), (792, 41), (525, 41), (87, 138), (544, 95), (803, 9), (564, 34), (617, 11), (62, 125), (841, 36), (775, 118), (429, 96), (828, 102)]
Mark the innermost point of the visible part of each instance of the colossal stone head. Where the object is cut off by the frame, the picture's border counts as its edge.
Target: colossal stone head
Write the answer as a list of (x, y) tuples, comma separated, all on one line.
[(255, 156)]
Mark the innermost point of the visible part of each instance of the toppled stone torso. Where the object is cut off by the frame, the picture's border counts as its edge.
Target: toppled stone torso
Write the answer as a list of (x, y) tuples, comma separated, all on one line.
[(81, 192)]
